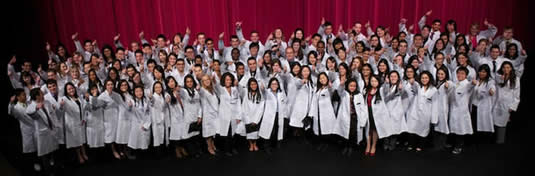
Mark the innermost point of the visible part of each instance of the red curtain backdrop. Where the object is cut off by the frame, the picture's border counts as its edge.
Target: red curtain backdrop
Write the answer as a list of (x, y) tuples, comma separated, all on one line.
[(102, 19)]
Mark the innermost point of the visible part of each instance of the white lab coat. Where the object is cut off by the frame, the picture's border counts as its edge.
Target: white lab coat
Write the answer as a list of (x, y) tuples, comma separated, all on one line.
[(140, 132), (229, 111), (441, 109), (419, 116), (252, 111), (75, 135), (276, 106), (460, 120), (95, 123), (176, 115), (343, 118), (124, 122), (159, 112), (507, 97), (57, 118), (322, 112), (111, 111), (394, 104), (484, 102), (302, 104), (381, 117), (26, 126), (192, 110), (210, 110), (44, 135)]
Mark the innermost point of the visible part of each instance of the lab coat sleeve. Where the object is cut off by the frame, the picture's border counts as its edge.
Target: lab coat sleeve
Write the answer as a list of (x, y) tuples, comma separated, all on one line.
[(421, 23), (516, 95), (79, 47), (490, 32)]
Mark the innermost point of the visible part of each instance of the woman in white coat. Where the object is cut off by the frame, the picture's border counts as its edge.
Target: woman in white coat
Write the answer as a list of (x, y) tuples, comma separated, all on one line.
[(229, 112), (507, 98), (420, 113), (378, 123), (482, 103), (95, 119), (124, 122), (351, 115), (322, 111), (159, 112), (393, 93), (303, 100), (139, 138), (192, 114), (43, 124), (210, 109), (460, 123), (441, 107), (272, 126), (252, 111), (111, 110), (75, 115), (176, 115)]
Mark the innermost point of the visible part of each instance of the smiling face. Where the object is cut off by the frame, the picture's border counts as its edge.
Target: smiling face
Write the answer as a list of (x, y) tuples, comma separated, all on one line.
[(124, 87), (71, 91), (441, 75), (274, 85)]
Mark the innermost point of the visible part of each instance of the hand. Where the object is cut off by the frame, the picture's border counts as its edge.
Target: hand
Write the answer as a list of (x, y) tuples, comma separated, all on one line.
[(143, 128), (40, 105), (403, 21), (221, 35), (340, 29), (428, 12), (168, 42), (238, 121), (400, 86), (142, 34), (292, 36), (62, 102), (491, 92), (238, 25), (116, 37), (188, 31), (13, 99), (411, 27), (270, 36), (236, 82), (13, 60), (367, 25), (510, 110), (308, 38), (446, 84), (39, 68), (411, 81), (195, 42), (199, 120), (387, 80), (154, 41), (74, 36), (304, 81), (486, 22), (322, 20), (94, 43), (47, 46), (523, 52), (330, 84), (168, 99), (474, 82)]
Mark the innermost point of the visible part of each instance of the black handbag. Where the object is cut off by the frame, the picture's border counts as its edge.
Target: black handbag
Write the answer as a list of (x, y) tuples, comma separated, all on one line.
[(194, 127), (249, 128)]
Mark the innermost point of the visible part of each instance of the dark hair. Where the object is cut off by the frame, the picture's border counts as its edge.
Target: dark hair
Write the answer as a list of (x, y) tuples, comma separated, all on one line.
[(309, 76), (160, 36), (295, 64), (446, 72), (379, 46), (154, 85), (512, 76), (507, 55), (399, 79), (225, 75), (190, 90), (369, 88), (431, 81), (97, 80), (436, 21), (169, 90), (34, 93), (142, 90), (254, 45), (383, 74), (26, 74), (65, 90), (138, 51), (51, 82), (332, 59), (407, 67), (128, 91), (349, 81), (348, 71), (159, 69), (278, 83), (485, 68), (257, 97), (319, 85), (462, 69), (18, 91), (327, 23)]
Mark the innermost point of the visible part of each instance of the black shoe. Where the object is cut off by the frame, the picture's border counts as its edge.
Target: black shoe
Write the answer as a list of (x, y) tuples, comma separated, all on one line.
[(344, 151), (228, 154), (234, 152), (349, 152), (269, 151), (324, 148)]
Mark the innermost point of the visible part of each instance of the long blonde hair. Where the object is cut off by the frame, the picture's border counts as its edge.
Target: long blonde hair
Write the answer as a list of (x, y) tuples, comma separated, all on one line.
[(210, 88)]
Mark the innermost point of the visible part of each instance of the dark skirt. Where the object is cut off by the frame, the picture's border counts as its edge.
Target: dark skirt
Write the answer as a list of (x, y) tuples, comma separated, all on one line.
[(370, 118)]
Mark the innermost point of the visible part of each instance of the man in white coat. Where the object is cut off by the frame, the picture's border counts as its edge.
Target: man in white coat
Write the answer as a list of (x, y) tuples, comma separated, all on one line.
[(17, 109)]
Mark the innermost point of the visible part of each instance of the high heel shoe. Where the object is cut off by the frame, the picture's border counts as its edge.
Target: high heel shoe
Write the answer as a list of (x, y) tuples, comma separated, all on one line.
[(366, 153), (372, 154)]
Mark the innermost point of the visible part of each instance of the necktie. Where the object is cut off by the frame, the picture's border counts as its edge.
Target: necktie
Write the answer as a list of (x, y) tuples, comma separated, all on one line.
[(47, 118), (432, 33)]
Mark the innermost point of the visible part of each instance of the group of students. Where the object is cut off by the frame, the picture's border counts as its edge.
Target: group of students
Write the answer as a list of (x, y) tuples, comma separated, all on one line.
[(362, 88)]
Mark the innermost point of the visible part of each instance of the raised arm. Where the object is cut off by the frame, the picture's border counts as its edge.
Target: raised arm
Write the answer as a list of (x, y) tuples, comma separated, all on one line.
[(421, 23), (490, 32), (77, 43), (239, 31)]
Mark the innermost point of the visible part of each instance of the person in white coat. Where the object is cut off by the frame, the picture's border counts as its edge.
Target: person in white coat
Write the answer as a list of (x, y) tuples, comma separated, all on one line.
[(139, 138), (176, 115), (272, 126), (393, 94), (419, 115), (192, 114), (210, 110), (507, 99), (75, 118), (322, 111), (441, 108), (111, 110), (252, 111), (303, 100), (159, 112), (483, 100), (95, 119), (378, 123), (124, 122), (229, 112), (459, 121), (44, 134), (351, 116)]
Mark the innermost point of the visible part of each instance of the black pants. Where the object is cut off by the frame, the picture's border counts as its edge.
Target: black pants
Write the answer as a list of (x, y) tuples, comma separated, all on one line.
[(352, 140), (273, 137), (416, 141), (439, 140), (459, 140), (193, 144), (228, 140)]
